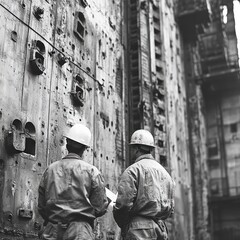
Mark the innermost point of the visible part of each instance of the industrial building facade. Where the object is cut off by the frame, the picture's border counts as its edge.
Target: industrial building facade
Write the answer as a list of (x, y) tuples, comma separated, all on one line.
[(168, 66)]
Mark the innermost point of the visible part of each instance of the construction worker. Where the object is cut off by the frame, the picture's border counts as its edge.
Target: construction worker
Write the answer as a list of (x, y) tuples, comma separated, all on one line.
[(72, 192), (145, 193)]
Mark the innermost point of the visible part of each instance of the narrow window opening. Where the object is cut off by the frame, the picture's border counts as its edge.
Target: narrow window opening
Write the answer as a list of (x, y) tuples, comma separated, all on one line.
[(80, 26), (30, 128), (17, 124), (40, 47), (79, 79), (80, 29), (30, 145), (163, 160), (212, 151), (233, 128), (161, 143), (161, 127)]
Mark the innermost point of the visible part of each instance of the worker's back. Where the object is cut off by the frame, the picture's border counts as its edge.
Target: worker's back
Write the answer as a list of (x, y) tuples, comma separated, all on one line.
[(69, 190), (154, 186), (155, 190)]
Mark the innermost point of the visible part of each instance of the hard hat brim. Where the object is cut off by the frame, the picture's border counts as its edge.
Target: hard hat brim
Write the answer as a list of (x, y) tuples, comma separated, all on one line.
[(131, 144)]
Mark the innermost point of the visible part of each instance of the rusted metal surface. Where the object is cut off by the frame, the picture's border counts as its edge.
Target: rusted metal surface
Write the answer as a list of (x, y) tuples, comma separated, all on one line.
[(51, 79)]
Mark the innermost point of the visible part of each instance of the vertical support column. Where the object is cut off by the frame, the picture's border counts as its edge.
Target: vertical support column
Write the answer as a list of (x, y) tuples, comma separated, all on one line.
[(158, 83), (134, 66)]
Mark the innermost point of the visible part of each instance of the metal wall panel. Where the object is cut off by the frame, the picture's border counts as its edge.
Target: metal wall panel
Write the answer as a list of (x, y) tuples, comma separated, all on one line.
[(39, 102)]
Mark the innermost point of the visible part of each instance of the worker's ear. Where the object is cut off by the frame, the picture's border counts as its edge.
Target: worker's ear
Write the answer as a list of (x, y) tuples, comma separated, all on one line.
[(138, 149), (134, 149)]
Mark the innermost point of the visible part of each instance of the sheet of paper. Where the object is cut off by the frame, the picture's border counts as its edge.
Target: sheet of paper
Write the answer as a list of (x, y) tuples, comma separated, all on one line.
[(112, 196)]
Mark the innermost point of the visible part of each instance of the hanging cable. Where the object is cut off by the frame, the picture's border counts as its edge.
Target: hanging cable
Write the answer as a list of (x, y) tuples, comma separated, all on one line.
[(27, 25)]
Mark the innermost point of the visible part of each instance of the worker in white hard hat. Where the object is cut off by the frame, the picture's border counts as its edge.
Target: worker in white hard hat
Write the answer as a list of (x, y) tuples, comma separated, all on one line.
[(145, 193), (72, 192)]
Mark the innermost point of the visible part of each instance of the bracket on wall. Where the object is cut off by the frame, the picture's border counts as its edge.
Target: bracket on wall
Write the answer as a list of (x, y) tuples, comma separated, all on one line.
[(21, 139), (15, 138), (78, 93), (105, 119), (62, 59), (25, 213), (38, 12), (37, 57)]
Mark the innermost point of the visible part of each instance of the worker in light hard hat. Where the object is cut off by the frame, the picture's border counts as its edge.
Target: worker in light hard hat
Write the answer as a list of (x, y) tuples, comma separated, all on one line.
[(72, 192), (145, 193)]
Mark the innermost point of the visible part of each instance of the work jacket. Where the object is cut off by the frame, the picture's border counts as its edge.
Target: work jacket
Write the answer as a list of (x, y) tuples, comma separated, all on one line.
[(145, 189), (71, 190)]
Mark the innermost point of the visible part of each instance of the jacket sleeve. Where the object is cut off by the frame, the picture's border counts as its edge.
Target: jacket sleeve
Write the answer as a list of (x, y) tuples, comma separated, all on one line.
[(98, 197), (170, 210), (127, 192), (41, 197)]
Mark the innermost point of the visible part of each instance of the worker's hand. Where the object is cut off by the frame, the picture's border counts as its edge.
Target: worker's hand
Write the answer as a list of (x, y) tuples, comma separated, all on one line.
[(40, 232)]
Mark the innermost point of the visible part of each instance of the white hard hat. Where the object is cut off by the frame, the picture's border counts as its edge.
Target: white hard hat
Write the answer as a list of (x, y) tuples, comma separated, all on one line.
[(80, 133), (142, 137)]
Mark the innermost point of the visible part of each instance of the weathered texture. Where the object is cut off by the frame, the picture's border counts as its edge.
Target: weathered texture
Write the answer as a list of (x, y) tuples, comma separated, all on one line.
[(221, 86), (198, 157), (77, 78), (115, 66)]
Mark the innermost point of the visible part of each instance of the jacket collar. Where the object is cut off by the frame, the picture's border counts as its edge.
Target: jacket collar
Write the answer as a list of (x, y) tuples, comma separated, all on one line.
[(145, 156), (72, 156)]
